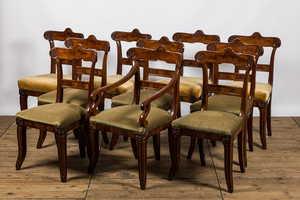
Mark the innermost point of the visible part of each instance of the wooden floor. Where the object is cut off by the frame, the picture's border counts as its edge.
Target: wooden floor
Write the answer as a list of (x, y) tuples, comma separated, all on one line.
[(271, 174)]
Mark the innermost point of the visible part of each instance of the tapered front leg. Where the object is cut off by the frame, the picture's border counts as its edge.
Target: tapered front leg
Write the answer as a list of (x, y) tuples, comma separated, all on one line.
[(228, 157), (21, 135), (134, 148), (94, 149), (142, 162), (175, 154), (61, 142)]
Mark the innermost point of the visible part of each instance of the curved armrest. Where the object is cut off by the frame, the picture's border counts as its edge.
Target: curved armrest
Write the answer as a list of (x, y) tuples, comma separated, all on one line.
[(94, 99), (145, 106)]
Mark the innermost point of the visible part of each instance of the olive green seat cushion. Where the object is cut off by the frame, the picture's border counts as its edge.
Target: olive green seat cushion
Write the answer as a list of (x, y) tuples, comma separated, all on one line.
[(57, 114), (126, 87), (210, 121), (74, 96), (127, 118), (188, 86), (127, 98), (262, 90), (225, 103), (40, 83)]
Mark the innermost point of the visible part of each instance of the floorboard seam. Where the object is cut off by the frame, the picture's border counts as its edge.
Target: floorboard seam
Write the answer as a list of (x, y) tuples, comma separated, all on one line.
[(296, 121), (7, 128), (212, 160)]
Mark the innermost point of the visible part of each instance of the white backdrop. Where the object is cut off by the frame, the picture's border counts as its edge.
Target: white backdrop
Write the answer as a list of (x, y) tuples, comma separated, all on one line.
[(24, 51)]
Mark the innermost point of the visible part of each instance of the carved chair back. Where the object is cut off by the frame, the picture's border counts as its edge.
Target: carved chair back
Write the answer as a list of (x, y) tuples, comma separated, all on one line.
[(227, 56), (257, 38), (74, 54), (119, 37), (238, 47), (154, 44), (53, 36)]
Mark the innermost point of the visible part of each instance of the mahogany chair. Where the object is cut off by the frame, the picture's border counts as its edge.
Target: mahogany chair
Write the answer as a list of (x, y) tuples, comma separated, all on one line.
[(263, 91), (138, 121), (163, 102), (74, 95), (59, 117), (121, 38), (225, 102), (40, 84), (190, 89), (216, 125)]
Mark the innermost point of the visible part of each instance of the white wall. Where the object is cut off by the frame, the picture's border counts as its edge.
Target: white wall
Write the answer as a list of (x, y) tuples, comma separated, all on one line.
[(24, 51)]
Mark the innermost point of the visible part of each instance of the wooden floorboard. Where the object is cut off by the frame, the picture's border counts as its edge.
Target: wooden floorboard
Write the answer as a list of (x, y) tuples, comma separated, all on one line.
[(273, 173)]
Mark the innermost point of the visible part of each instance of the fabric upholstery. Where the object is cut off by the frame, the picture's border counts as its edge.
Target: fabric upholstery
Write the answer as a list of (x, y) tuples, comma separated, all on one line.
[(188, 86), (126, 87), (74, 96), (127, 117), (127, 98), (217, 122), (40, 83), (262, 90), (57, 114), (225, 103)]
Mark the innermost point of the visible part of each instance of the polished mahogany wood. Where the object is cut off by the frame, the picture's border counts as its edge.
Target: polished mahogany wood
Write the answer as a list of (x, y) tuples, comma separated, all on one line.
[(148, 71), (264, 107), (76, 53), (139, 140), (204, 57)]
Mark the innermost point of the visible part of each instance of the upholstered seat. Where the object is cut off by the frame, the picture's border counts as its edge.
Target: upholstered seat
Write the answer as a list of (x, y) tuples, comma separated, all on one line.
[(262, 90), (221, 123), (73, 96), (126, 87), (42, 83), (47, 114), (127, 118), (225, 103), (126, 99), (188, 86)]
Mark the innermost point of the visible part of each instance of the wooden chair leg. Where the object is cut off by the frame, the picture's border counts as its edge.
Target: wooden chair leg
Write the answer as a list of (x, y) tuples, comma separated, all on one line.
[(201, 152), (228, 157), (76, 133), (23, 101), (125, 138), (156, 146), (192, 147), (142, 162), (175, 141), (94, 149), (262, 127), (41, 139), (250, 132), (241, 152), (105, 138), (21, 135), (269, 119), (213, 142), (61, 142), (134, 148), (113, 141)]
